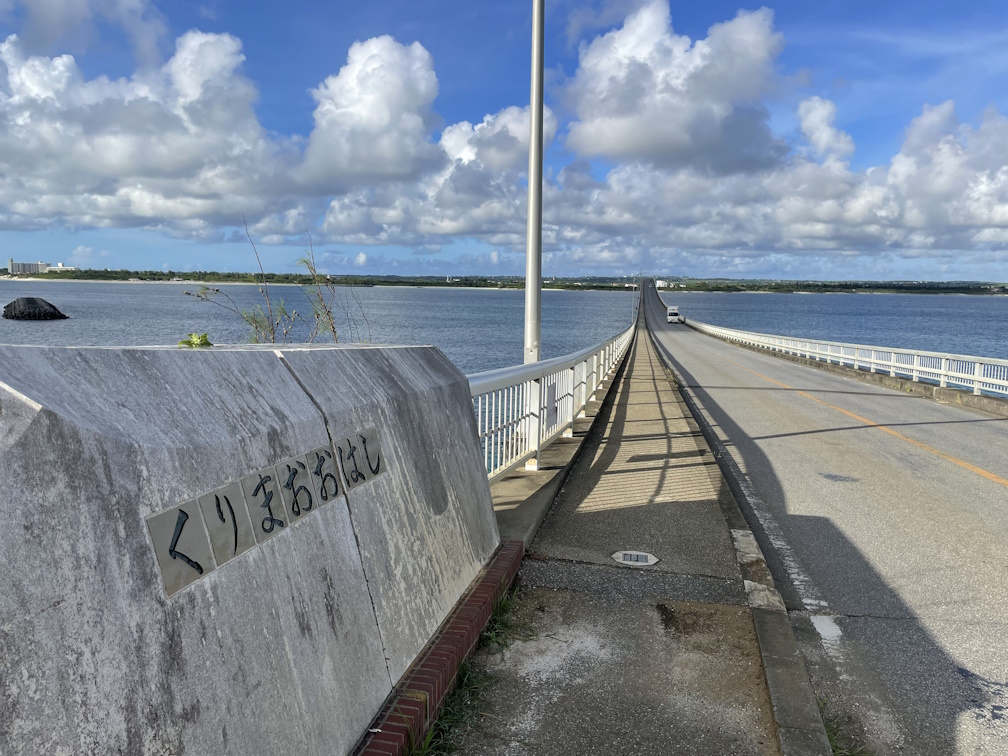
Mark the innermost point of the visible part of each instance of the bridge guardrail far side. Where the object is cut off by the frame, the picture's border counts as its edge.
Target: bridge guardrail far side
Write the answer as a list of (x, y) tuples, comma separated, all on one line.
[(980, 375), (522, 409)]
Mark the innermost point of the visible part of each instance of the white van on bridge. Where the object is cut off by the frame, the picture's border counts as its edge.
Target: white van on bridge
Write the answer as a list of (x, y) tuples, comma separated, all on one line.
[(673, 314)]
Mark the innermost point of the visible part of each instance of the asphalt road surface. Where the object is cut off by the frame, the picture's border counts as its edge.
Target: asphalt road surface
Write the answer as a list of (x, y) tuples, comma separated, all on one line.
[(885, 519)]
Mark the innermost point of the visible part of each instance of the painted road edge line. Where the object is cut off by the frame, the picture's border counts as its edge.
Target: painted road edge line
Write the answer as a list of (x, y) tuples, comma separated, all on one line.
[(800, 728)]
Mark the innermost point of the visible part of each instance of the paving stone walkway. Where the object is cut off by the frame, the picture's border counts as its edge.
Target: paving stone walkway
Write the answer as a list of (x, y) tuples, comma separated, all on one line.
[(612, 659)]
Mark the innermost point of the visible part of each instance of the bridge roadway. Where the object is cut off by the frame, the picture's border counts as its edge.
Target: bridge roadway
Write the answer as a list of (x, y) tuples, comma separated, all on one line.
[(885, 523)]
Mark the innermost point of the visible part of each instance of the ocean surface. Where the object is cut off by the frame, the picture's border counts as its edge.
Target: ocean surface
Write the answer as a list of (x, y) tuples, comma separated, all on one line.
[(478, 329), (953, 323), (482, 329)]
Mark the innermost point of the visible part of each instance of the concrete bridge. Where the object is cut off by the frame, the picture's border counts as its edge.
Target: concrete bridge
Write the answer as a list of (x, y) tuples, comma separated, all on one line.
[(714, 537), (876, 483), (884, 518)]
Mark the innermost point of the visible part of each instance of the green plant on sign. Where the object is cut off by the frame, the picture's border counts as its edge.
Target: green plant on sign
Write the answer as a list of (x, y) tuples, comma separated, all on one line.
[(195, 341)]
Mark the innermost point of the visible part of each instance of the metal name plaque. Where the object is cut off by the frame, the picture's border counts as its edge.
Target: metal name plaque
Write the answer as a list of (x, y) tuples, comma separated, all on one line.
[(192, 539)]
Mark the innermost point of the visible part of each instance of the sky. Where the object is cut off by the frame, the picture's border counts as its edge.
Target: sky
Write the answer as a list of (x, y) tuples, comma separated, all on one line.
[(829, 140)]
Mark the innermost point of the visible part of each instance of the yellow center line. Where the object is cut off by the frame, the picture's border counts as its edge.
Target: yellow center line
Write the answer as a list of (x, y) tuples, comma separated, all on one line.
[(920, 445)]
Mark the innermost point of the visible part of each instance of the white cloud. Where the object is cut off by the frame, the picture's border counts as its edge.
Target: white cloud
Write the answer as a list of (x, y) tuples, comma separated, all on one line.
[(588, 16), (500, 142), (947, 189), (476, 192), (692, 174), (51, 22), (84, 257), (373, 119), (642, 92), (817, 116), (177, 148)]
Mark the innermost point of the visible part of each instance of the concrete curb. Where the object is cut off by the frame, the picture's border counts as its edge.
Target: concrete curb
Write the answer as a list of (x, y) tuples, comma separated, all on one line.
[(411, 711), (800, 728), (992, 404)]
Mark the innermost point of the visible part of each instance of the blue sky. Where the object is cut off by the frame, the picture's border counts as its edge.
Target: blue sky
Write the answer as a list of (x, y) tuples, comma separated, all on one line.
[(799, 140)]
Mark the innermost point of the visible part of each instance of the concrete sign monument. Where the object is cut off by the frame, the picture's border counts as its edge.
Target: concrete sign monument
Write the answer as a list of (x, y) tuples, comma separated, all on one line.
[(234, 550)]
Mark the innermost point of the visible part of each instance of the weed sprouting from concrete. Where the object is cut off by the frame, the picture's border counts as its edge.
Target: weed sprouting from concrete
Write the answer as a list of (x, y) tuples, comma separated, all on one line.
[(195, 341), (271, 322), (503, 628), (461, 710), (456, 716), (841, 740)]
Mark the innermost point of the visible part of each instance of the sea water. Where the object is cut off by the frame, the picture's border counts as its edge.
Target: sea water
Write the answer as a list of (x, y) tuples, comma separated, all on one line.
[(482, 329)]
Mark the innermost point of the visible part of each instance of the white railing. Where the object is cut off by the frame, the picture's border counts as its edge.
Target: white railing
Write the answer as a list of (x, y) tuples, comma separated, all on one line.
[(521, 409), (981, 375)]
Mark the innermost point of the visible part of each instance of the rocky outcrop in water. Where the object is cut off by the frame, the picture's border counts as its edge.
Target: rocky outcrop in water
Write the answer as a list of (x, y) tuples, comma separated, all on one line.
[(32, 308)]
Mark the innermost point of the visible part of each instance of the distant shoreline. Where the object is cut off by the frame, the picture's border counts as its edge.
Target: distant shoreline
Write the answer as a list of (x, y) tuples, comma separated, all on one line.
[(183, 282), (478, 283)]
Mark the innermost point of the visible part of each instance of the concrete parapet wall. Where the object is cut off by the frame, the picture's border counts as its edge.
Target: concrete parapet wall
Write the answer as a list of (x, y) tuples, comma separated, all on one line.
[(125, 470)]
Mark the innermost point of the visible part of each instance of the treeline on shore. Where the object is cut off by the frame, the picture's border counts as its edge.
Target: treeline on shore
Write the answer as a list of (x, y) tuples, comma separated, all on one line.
[(301, 279), (304, 279), (518, 282)]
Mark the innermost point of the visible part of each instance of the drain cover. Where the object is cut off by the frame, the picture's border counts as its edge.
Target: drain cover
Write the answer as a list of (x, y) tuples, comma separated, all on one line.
[(635, 558)]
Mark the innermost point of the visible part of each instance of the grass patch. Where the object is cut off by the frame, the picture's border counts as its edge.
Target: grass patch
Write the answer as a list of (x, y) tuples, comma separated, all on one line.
[(462, 707), (503, 628), (456, 716), (841, 740)]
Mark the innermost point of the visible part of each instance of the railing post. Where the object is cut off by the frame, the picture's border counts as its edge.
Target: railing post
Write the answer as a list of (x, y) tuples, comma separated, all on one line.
[(569, 432), (595, 376), (916, 367), (977, 377), (873, 358), (533, 410), (943, 377), (596, 370), (584, 388), (892, 363)]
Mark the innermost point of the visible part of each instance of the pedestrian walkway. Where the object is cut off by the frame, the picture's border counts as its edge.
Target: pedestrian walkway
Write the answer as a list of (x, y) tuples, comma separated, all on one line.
[(614, 659)]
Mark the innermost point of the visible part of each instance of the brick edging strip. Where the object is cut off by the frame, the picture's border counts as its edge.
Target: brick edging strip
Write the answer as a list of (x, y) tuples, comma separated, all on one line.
[(412, 709)]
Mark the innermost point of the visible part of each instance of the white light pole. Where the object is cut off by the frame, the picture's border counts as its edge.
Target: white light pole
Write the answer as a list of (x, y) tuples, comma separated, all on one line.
[(533, 245)]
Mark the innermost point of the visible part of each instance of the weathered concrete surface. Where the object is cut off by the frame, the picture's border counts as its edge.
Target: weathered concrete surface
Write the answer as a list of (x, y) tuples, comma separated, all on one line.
[(427, 527), (614, 675), (278, 650), (619, 660)]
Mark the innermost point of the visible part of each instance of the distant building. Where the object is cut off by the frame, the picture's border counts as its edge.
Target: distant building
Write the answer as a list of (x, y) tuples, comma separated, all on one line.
[(25, 267), (14, 268)]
